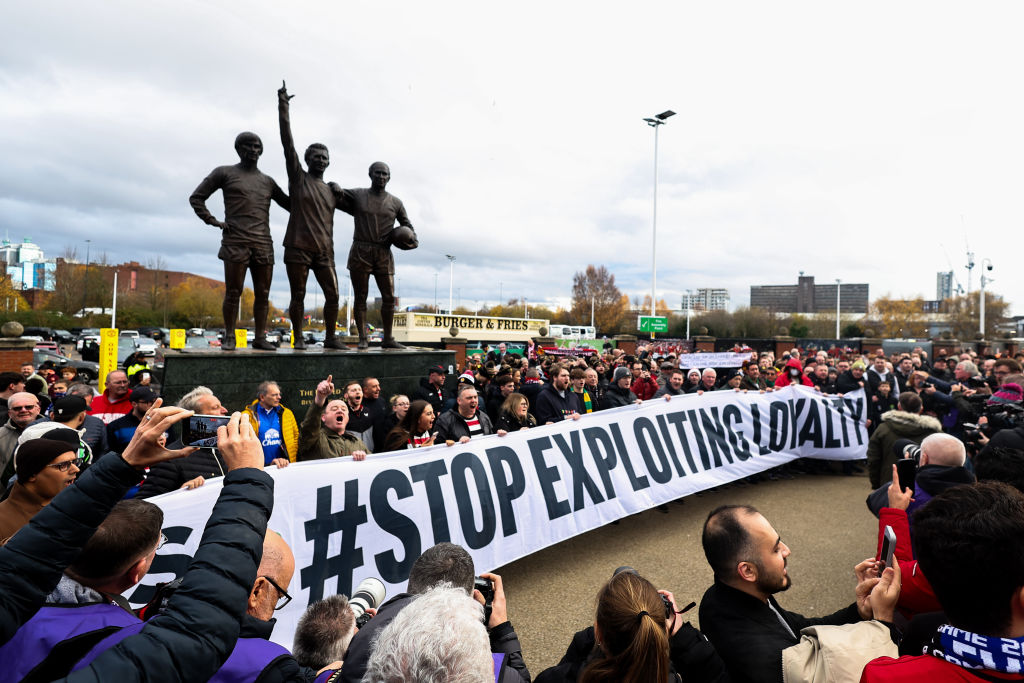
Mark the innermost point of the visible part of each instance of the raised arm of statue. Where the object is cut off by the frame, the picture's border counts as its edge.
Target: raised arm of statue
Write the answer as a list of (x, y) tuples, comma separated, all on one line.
[(291, 158)]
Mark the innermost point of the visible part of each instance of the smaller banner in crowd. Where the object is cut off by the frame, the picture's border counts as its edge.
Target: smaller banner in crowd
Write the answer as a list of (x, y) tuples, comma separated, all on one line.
[(505, 497), (713, 360)]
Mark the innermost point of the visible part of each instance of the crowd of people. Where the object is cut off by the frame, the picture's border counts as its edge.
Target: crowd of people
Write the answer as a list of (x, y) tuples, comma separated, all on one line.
[(77, 532)]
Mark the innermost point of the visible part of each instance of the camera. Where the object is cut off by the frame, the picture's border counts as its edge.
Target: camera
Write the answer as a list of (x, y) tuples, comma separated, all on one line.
[(486, 588), (368, 594)]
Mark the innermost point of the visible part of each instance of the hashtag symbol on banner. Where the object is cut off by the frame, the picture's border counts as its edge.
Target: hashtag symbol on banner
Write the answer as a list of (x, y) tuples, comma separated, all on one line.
[(319, 530)]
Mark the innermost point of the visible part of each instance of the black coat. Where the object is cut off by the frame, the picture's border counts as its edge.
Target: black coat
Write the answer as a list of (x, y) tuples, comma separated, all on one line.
[(749, 636), (193, 637), (503, 639), (616, 397), (171, 475), (429, 393), (691, 657), (33, 561)]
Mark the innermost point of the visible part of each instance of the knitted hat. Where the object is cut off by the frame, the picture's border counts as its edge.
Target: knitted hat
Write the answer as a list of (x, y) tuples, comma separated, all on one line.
[(467, 378), (32, 456), (68, 407), (858, 365), (620, 372), (1008, 393), (693, 371)]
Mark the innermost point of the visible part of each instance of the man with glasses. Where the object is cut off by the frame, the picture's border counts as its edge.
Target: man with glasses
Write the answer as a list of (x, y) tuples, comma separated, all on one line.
[(45, 467), (115, 400), (22, 410)]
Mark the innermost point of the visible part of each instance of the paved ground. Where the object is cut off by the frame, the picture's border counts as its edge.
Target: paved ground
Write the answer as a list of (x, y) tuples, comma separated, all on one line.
[(823, 519)]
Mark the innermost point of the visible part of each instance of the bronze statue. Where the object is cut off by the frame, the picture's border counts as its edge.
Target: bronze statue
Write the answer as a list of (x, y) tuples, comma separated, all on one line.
[(309, 239), (375, 212), (245, 241)]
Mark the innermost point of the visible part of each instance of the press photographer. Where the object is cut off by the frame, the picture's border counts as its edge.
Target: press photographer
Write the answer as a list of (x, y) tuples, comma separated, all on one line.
[(1002, 424)]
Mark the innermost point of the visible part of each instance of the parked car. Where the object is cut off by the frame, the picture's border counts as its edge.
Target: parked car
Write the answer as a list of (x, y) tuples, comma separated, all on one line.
[(146, 346), (87, 370), (63, 337), (134, 334), (51, 346)]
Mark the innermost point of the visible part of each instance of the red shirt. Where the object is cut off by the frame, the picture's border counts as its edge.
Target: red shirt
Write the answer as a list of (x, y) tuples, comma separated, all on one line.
[(107, 410)]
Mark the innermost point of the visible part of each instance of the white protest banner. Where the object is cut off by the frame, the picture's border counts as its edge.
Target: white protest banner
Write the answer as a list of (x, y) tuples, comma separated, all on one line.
[(504, 497), (713, 360)]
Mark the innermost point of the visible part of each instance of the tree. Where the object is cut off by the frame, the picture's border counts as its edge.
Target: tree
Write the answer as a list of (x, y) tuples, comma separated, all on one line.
[(899, 317), (596, 287), (964, 315), (197, 302)]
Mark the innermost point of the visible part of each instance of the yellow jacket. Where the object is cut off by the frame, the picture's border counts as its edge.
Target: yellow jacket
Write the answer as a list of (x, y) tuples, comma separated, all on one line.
[(289, 428)]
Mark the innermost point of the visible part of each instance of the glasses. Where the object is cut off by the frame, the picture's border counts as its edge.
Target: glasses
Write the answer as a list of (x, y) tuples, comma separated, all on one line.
[(284, 599), (18, 409), (66, 465)]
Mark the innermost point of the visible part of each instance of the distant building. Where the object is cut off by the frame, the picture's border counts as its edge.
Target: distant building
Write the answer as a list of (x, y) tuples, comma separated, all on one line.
[(807, 297), (27, 266), (707, 299), (944, 285)]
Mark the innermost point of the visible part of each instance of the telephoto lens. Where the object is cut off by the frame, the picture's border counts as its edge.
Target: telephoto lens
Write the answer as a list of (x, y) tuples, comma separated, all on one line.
[(368, 594)]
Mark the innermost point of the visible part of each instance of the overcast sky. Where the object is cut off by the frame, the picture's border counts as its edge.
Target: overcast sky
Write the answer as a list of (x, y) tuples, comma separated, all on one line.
[(869, 142)]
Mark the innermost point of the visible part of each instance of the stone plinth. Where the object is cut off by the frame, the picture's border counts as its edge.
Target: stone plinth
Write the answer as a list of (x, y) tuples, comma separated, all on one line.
[(870, 346), (457, 345), (15, 352), (626, 342), (704, 344), (234, 375), (783, 344)]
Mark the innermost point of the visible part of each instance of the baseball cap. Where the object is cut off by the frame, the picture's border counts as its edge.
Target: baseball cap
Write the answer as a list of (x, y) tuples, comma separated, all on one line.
[(436, 369), (67, 407), (141, 393)]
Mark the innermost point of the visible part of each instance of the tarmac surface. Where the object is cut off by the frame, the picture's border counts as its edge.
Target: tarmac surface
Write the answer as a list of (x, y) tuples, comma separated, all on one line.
[(822, 518)]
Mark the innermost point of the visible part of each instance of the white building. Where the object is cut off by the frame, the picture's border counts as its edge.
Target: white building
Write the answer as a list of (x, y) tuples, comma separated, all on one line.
[(707, 299), (27, 266)]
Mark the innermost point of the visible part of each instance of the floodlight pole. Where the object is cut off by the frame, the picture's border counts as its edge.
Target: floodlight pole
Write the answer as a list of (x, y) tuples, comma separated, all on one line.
[(655, 122)]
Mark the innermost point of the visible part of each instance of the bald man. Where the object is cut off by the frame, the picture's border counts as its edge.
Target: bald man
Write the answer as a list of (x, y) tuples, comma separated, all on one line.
[(940, 466), (255, 658)]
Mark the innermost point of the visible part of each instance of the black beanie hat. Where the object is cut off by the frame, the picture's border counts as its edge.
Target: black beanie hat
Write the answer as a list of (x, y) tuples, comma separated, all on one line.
[(32, 456)]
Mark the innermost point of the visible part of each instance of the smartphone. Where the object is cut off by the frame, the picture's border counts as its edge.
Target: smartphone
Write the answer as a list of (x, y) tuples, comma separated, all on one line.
[(907, 471), (888, 547), (201, 430)]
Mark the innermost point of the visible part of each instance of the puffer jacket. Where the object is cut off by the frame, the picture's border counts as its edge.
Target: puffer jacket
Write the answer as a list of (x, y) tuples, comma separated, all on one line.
[(194, 636), (896, 424), (32, 563), (171, 475)]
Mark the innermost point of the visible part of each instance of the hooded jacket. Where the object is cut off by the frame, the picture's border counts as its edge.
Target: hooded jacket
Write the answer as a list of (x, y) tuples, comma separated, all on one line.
[(896, 424), (784, 380)]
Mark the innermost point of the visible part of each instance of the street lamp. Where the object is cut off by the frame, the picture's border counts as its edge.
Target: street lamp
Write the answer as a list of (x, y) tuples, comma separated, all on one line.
[(839, 284), (655, 123), (85, 287), (689, 306), (451, 280), (986, 265)]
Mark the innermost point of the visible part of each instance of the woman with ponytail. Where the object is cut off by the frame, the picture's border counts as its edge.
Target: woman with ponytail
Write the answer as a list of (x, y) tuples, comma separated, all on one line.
[(637, 637)]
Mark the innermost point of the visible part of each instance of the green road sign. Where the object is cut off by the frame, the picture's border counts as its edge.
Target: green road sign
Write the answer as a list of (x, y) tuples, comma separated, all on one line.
[(652, 323)]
